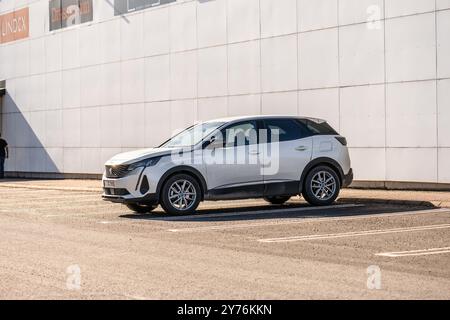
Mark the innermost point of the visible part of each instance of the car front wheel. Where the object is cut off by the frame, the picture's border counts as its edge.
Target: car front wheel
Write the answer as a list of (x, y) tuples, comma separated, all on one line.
[(322, 186), (181, 194)]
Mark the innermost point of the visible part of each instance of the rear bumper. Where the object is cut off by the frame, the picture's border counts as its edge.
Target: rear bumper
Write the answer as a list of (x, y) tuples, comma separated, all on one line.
[(348, 179)]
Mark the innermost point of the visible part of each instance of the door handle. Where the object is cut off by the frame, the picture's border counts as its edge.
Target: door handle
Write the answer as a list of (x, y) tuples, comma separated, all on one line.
[(301, 148), (254, 152)]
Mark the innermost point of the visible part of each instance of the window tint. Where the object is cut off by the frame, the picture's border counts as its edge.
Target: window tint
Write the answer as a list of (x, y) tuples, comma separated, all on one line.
[(241, 134), (287, 129), (315, 128)]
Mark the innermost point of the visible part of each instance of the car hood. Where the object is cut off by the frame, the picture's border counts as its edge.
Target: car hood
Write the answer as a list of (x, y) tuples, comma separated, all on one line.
[(138, 155)]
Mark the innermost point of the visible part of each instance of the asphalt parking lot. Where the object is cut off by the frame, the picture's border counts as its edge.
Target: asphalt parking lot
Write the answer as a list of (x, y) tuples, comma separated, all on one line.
[(61, 244)]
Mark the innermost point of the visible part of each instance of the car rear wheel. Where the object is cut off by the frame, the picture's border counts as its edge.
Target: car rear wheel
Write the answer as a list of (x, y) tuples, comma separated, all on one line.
[(277, 199), (181, 194), (322, 186), (141, 208)]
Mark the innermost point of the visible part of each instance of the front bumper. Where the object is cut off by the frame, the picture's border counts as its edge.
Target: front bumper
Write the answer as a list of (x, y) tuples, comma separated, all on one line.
[(130, 189), (149, 198), (348, 179)]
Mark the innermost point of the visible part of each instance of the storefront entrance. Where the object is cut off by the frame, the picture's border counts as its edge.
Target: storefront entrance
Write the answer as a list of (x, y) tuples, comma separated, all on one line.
[(2, 93)]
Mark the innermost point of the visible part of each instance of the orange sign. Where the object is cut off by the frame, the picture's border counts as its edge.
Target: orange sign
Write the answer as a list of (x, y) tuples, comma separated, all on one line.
[(14, 25)]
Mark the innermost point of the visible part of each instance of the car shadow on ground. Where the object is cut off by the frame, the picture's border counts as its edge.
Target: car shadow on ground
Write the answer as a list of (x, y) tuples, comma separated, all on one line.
[(344, 207)]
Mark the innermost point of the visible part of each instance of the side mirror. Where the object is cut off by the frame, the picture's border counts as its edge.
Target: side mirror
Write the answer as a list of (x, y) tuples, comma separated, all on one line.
[(214, 143)]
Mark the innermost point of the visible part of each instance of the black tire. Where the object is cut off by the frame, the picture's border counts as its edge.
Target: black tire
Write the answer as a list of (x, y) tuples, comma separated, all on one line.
[(141, 208), (169, 197), (323, 193), (278, 200)]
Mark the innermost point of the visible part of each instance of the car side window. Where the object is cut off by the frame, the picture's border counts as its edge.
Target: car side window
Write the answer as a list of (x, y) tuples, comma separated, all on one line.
[(240, 134), (286, 129)]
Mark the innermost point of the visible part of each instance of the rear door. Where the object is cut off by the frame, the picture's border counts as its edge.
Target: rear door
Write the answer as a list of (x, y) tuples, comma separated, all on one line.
[(285, 155)]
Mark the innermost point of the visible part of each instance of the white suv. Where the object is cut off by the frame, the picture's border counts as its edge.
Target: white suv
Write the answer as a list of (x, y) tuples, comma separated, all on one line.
[(270, 157)]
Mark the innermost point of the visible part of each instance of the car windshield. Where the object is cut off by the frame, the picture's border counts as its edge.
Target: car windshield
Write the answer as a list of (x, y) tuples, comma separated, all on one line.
[(193, 135)]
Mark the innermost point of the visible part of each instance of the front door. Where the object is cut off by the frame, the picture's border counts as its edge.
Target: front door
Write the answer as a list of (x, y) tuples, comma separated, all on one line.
[(232, 165)]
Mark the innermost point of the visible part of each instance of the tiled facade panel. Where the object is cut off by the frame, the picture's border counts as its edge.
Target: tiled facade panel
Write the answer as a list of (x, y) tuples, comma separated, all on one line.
[(378, 71)]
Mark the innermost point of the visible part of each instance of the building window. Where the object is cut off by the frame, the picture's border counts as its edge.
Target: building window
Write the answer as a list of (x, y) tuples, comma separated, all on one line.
[(126, 6), (66, 13)]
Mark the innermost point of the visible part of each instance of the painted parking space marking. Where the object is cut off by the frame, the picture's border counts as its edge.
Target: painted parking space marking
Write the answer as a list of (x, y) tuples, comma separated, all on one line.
[(355, 234), (108, 222), (258, 212), (71, 203), (32, 188), (423, 252), (304, 219), (235, 226), (109, 212)]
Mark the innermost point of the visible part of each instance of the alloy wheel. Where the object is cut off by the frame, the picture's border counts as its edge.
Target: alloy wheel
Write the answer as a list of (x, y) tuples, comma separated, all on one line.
[(182, 195), (323, 185)]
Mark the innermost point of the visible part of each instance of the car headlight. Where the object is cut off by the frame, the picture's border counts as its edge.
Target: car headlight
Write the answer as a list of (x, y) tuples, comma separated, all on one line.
[(143, 164)]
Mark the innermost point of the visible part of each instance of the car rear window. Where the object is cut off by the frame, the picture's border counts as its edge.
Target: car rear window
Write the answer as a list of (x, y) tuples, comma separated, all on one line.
[(315, 128), (287, 129)]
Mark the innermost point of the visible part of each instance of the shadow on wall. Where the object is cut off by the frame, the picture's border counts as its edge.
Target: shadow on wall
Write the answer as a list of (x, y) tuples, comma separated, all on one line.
[(28, 157)]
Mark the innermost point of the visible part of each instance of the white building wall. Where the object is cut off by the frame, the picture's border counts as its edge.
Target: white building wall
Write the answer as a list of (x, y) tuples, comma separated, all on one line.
[(79, 95)]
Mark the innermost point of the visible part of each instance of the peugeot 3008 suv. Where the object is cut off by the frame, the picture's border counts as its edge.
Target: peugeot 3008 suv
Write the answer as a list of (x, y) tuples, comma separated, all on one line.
[(270, 157)]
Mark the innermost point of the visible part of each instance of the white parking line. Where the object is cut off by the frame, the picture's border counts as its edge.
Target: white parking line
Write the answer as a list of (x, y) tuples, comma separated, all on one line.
[(236, 226), (69, 215), (304, 219), (423, 252), (108, 222), (355, 234), (258, 212)]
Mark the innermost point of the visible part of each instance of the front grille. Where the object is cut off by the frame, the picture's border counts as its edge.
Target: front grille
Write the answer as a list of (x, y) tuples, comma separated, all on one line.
[(116, 192), (118, 171)]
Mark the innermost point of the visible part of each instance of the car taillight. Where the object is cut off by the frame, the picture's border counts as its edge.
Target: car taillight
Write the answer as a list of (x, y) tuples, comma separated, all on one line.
[(342, 140)]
